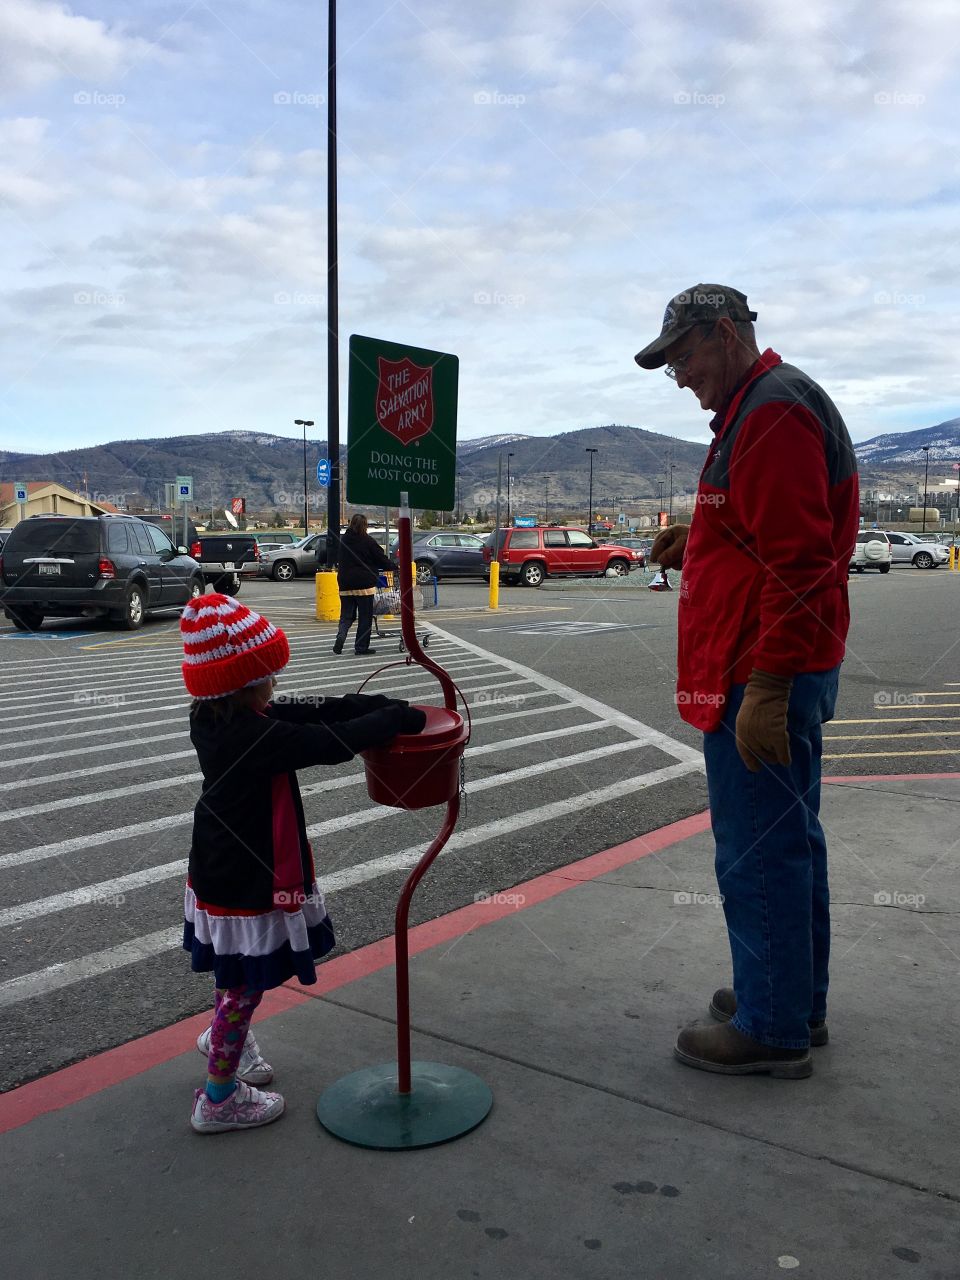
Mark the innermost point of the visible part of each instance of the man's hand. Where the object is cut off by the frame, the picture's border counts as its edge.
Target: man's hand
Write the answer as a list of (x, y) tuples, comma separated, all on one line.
[(762, 720), (669, 546)]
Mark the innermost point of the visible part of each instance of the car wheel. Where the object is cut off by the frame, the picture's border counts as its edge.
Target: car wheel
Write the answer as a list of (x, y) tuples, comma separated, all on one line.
[(923, 560), (532, 573), (283, 571), (134, 608), (424, 570), (27, 620), (884, 568), (197, 587), (619, 568)]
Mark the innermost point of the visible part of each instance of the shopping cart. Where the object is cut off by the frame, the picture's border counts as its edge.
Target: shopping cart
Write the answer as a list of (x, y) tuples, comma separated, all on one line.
[(386, 607)]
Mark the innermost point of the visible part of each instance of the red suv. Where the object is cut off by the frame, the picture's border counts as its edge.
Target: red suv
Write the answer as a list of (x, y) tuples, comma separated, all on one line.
[(530, 555)]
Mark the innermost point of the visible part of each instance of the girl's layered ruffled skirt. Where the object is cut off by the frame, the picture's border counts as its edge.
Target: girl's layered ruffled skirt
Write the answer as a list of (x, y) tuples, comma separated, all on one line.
[(257, 949)]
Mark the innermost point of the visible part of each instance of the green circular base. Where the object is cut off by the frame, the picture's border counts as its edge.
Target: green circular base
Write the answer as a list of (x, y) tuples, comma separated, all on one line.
[(365, 1108)]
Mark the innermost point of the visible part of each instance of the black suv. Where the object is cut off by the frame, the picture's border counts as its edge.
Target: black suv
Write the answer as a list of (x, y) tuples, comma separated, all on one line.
[(92, 566)]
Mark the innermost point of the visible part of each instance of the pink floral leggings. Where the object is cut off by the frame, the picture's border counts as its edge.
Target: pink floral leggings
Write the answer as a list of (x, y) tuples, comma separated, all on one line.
[(233, 1008)]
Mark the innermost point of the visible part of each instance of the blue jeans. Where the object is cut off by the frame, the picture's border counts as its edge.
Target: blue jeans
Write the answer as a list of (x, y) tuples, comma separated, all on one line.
[(772, 868)]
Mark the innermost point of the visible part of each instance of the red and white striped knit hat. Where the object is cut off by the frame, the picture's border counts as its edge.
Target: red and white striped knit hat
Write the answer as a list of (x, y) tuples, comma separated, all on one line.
[(228, 647)]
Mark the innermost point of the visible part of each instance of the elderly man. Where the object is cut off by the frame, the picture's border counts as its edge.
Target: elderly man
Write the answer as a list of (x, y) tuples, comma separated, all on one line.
[(763, 617)]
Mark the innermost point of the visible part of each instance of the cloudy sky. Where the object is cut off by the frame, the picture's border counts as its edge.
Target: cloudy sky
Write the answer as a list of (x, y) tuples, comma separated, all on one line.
[(523, 185)]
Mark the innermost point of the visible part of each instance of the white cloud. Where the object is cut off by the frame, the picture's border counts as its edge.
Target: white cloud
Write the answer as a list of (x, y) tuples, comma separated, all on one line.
[(44, 41)]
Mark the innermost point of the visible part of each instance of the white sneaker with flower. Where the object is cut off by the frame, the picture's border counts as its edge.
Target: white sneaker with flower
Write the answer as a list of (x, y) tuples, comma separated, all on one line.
[(253, 1069), (246, 1108)]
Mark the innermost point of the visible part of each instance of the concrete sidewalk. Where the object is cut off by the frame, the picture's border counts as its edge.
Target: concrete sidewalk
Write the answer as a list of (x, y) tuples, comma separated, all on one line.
[(602, 1155)]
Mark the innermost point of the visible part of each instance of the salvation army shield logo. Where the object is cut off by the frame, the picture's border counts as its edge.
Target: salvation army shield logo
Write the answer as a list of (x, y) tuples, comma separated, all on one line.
[(404, 399)]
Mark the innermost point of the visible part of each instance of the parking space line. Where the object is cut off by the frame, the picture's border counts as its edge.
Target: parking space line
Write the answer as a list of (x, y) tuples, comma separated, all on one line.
[(863, 755), (893, 737)]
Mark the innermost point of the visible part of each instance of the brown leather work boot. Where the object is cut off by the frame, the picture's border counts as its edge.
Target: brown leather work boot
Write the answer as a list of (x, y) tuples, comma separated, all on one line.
[(724, 1005), (727, 1051)]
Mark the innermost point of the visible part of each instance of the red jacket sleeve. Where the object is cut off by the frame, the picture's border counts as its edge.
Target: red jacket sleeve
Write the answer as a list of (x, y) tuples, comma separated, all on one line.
[(780, 488)]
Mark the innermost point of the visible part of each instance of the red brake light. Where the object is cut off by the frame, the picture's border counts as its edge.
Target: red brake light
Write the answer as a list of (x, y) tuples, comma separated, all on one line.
[(106, 568), (195, 549)]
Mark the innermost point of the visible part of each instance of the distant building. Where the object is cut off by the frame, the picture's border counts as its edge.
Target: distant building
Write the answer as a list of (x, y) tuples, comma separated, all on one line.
[(45, 497)]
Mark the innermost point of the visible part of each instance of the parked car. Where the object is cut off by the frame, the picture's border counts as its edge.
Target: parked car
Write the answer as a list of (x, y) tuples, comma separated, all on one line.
[(287, 563), (640, 545), (271, 541), (116, 567), (445, 555), (908, 548), (871, 551), (173, 528), (531, 555)]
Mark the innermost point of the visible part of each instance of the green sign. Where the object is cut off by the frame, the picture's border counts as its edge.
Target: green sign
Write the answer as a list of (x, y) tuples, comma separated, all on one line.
[(401, 425)]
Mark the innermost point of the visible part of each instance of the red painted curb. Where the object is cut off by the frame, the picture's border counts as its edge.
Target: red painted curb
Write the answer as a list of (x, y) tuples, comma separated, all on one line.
[(83, 1079)]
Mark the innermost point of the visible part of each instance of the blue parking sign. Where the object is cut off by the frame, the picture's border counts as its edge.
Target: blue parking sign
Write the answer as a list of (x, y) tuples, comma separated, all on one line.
[(323, 473)]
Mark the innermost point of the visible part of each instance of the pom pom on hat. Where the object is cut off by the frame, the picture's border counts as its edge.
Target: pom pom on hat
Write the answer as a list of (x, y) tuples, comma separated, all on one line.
[(228, 647)]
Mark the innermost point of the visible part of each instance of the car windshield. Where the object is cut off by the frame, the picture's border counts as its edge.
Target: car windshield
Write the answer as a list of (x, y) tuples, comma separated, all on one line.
[(54, 537)]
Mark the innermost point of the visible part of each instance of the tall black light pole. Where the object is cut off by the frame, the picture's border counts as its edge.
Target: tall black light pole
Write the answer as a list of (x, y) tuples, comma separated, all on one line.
[(333, 328), (659, 499), (459, 501), (546, 500), (926, 473), (304, 422), (590, 503), (670, 513), (509, 456)]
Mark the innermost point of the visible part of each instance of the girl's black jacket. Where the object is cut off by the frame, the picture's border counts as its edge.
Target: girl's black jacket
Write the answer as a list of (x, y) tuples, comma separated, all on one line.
[(249, 834)]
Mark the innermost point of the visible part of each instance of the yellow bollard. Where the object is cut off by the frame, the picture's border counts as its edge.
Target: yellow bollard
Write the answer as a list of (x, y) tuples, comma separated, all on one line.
[(955, 557), (328, 596), (494, 584)]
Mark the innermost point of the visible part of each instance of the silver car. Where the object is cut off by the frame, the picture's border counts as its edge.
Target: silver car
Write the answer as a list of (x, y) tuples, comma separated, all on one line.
[(908, 548), (295, 561)]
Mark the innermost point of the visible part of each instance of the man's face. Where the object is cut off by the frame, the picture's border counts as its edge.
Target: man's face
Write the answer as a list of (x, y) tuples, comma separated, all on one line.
[(702, 364)]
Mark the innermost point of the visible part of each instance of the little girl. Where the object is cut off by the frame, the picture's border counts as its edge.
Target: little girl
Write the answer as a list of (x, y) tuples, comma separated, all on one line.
[(253, 912)]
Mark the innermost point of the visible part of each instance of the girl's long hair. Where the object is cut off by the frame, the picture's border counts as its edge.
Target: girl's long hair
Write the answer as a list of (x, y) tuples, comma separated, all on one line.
[(358, 523)]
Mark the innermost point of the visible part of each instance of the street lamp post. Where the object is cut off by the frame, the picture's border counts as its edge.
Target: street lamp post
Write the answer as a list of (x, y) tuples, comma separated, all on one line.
[(926, 473), (304, 422), (590, 500), (659, 499), (509, 456), (546, 500), (670, 513), (336, 488)]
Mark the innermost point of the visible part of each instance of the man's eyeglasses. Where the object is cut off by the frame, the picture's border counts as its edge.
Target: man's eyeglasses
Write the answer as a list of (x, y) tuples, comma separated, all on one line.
[(680, 364)]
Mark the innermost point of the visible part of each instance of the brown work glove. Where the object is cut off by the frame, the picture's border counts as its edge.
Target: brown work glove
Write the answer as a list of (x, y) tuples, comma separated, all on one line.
[(762, 720), (669, 545)]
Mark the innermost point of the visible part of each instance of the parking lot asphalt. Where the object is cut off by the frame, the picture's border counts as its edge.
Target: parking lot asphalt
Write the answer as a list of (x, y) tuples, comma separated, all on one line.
[(576, 747)]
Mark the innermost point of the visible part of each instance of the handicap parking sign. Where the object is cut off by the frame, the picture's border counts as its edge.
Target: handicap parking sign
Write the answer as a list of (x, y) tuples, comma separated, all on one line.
[(184, 488)]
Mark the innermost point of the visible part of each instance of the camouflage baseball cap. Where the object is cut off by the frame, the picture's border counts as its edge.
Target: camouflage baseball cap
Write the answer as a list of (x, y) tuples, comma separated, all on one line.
[(702, 304)]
